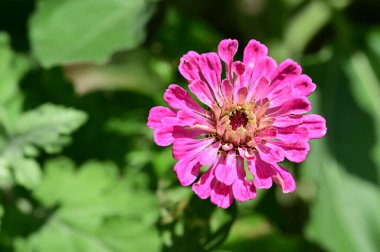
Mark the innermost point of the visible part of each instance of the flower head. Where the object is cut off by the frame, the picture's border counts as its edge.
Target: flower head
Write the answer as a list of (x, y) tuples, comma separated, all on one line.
[(255, 115)]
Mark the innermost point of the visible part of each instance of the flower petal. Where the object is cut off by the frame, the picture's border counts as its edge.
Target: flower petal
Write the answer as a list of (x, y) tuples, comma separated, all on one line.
[(188, 147), (187, 170), (262, 173), (225, 171), (303, 85), (253, 52), (316, 125), (242, 189), (209, 154), (295, 151), (286, 121), (293, 133), (221, 195), (178, 98), (227, 89), (287, 69), (284, 179), (227, 49), (203, 187), (296, 105), (203, 93), (189, 67), (211, 68), (247, 154), (158, 120), (280, 95)]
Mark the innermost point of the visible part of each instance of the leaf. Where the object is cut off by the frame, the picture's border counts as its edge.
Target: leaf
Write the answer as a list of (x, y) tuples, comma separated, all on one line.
[(47, 127), (27, 172), (344, 216), (95, 211), (366, 90), (129, 72), (12, 68), (310, 20), (61, 34)]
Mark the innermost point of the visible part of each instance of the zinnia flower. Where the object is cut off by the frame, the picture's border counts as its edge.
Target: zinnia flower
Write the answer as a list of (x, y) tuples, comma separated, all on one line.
[(255, 115)]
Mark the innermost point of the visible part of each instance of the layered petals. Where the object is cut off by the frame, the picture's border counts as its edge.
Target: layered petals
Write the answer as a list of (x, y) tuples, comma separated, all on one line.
[(253, 114), (187, 170)]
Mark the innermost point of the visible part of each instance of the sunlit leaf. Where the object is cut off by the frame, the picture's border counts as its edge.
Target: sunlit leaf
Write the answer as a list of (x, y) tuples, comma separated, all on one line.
[(344, 216), (303, 26), (129, 72), (70, 31), (47, 127), (96, 211)]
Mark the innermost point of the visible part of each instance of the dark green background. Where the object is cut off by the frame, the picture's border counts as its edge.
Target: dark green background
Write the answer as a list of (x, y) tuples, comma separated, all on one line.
[(78, 167)]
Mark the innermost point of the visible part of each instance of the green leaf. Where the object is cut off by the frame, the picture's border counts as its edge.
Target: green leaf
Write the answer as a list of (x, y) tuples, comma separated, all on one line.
[(27, 172), (310, 20), (12, 68), (366, 90), (47, 127), (96, 211), (345, 214), (128, 72), (61, 34)]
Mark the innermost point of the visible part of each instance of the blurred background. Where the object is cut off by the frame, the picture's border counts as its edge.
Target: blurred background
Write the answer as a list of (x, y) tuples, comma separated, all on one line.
[(79, 171)]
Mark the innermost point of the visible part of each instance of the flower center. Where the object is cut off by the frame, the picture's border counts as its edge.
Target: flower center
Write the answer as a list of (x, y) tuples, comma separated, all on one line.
[(238, 119)]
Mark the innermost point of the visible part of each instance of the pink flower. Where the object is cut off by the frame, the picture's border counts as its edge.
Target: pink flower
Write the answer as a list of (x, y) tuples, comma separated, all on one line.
[(255, 115)]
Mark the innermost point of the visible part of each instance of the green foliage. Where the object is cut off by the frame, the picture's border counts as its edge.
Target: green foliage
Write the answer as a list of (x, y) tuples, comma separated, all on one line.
[(94, 211), (46, 127), (61, 34)]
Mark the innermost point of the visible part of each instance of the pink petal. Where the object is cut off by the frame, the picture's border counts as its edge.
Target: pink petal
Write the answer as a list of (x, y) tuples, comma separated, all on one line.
[(253, 52), (316, 125), (227, 49), (187, 170), (286, 121), (284, 179), (188, 66), (188, 147), (287, 69), (182, 132), (203, 93), (209, 154), (256, 61), (178, 98), (293, 133), (211, 68), (268, 133), (164, 136), (270, 153), (294, 151), (296, 105), (247, 154), (157, 114), (192, 119), (157, 120), (203, 187), (261, 89), (221, 195), (238, 67), (242, 189), (227, 90), (263, 69), (225, 172), (281, 95), (303, 85), (262, 173)]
